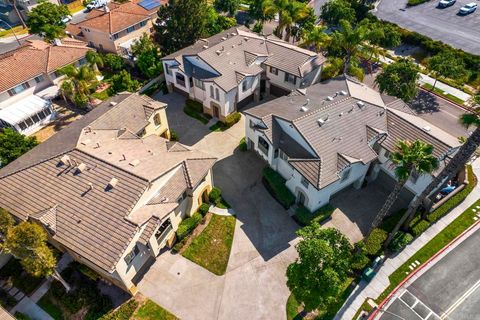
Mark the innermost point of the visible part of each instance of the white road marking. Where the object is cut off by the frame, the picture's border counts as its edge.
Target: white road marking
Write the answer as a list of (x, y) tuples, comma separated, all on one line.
[(417, 301), (461, 300)]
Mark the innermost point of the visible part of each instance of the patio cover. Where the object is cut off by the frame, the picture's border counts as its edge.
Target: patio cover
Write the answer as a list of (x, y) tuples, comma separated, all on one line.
[(49, 93), (23, 109), (127, 44)]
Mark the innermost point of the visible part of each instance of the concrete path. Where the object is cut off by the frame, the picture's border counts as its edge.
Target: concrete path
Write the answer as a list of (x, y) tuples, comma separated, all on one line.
[(31, 309), (380, 282), (221, 212)]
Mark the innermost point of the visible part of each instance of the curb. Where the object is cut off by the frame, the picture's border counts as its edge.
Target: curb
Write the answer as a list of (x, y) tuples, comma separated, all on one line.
[(387, 299)]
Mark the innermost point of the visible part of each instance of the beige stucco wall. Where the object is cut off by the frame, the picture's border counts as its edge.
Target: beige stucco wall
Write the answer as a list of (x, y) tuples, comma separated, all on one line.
[(160, 130), (196, 195)]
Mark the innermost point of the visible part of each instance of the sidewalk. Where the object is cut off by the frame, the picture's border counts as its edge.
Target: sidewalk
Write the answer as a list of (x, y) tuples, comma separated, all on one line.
[(380, 282)]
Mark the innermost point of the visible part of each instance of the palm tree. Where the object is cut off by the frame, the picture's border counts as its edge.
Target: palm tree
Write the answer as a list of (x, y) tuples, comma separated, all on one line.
[(77, 83), (95, 60), (316, 38), (347, 43), (289, 12), (458, 162), (410, 158)]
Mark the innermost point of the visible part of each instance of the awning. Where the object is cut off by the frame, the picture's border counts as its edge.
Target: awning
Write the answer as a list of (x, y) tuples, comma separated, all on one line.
[(49, 93), (23, 109)]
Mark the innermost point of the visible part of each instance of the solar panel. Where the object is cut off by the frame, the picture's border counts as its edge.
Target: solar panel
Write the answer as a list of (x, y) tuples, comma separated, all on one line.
[(149, 4)]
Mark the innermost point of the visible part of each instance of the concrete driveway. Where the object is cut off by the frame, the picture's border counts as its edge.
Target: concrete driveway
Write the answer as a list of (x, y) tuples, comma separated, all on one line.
[(254, 286)]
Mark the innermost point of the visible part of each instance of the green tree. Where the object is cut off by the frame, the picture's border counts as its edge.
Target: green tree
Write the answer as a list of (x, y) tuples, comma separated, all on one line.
[(13, 145), (181, 23), (217, 22), (27, 241), (148, 57), (229, 6), (6, 222), (123, 82), (399, 79), (77, 83), (334, 11), (46, 19), (316, 38), (411, 159), (257, 11), (322, 267), (448, 65), (95, 60), (113, 62), (289, 12)]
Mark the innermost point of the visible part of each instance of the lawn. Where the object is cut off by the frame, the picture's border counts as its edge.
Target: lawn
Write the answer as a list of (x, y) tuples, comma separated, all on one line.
[(440, 92), (152, 311), (219, 126), (46, 304), (211, 248)]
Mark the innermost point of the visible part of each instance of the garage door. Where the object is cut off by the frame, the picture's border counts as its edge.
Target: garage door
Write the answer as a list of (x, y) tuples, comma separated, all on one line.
[(244, 102)]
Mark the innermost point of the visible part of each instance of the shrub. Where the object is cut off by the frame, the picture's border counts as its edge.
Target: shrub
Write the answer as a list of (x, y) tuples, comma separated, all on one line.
[(304, 217), (215, 195), (374, 242), (187, 225), (173, 135), (102, 305), (194, 105), (21, 316), (275, 184), (416, 2), (243, 145), (400, 241), (88, 272), (179, 245), (420, 227), (360, 259), (203, 209), (232, 118), (125, 312)]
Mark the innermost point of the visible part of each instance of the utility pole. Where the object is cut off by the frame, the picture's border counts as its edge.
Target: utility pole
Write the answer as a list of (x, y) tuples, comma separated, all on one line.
[(11, 28)]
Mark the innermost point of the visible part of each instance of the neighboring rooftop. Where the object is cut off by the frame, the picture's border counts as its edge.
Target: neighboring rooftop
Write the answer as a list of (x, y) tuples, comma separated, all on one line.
[(237, 52), (84, 184), (337, 120), (36, 57)]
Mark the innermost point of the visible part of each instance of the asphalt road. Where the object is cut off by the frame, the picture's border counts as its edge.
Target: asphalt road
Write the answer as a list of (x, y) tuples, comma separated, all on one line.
[(462, 32), (13, 44), (448, 290)]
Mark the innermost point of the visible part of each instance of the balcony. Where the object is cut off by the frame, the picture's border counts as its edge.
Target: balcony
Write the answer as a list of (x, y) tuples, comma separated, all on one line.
[(163, 232)]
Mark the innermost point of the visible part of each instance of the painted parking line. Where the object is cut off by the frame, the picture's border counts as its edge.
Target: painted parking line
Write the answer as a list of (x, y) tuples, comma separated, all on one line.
[(460, 300), (417, 306)]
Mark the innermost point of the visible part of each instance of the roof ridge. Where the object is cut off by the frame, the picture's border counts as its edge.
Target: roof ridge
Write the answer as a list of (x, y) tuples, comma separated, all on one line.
[(110, 28), (322, 108), (48, 59)]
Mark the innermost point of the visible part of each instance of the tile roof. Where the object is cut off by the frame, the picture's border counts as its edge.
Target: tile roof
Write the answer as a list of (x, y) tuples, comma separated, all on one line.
[(149, 229), (232, 54), (35, 58), (337, 119)]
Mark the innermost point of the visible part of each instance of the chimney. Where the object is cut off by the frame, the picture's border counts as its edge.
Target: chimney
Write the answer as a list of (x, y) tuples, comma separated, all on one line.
[(81, 168), (57, 42), (112, 184), (65, 160)]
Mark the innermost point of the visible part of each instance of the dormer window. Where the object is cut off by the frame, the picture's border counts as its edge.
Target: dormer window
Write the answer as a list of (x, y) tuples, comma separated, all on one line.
[(157, 120)]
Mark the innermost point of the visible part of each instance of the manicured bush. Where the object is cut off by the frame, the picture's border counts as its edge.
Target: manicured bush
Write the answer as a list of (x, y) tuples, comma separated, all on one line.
[(243, 145), (400, 241), (416, 2), (203, 209), (21, 316), (215, 195), (232, 118), (420, 227), (275, 184), (173, 135), (391, 221), (360, 260), (304, 217), (187, 225), (374, 242), (179, 245), (194, 105)]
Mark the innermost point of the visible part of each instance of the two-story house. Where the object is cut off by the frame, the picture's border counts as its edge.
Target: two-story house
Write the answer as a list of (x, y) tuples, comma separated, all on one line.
[(30, 79), (337, 134), (108, 189), (235, 67), (115, 27)]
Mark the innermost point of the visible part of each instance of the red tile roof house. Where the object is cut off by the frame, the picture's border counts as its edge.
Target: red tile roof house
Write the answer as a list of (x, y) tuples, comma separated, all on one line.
[(30, 79), (235, 67), (106, 192), (337, 134)]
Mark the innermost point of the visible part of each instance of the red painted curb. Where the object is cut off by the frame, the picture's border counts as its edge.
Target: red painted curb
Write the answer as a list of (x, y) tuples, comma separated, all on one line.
[(372, 316)]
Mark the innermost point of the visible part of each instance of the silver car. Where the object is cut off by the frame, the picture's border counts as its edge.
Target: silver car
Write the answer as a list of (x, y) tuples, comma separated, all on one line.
[(468, 8)]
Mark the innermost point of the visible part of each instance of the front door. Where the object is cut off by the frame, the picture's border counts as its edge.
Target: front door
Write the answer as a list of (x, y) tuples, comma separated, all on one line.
[(301, 198), (216, 112)]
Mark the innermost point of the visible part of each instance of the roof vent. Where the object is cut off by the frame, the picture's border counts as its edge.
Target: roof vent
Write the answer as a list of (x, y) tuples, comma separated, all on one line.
[(223, 38), (329, 98), (233, 34), (304, 109), (86, 141), (245, 38), (427, 128), (218, 52), (321, 122), (134, 163), (343, 93), (361, 104), (205, 47), (112, 184), (340, 114), (113, 103), (164, 199), (65, 160), (81, 168)]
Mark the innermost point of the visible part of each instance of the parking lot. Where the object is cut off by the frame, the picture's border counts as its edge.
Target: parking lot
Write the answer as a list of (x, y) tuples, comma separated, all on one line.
[(445, 24), (448, 290)]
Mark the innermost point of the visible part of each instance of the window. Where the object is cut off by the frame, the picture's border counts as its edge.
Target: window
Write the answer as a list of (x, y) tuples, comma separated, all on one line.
[(115, 36), (244, 85), (290, 78), (167, 69), (29, 122), (131, 255), (18, 89), (345, 174), (386, 154), (283, 155), (39, 79), (130, 29), (263, 145), (47, 111), (305, 182), (143, 23), (211, 93), (274, 71), (199, 84), (275, 154), (156, 120), (22, 125), (163, 231), (42, 115), (36, 118), (180, 79), (217, 94), (182, 197)]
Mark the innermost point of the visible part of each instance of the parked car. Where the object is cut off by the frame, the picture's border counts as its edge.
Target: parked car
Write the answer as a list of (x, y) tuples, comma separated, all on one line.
[(468, 8), (446, 3), (66, 19), (96, 4)]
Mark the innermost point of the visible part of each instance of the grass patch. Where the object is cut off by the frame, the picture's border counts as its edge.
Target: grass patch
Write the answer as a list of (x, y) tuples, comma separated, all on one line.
[(152, 311), (46, 304), (222, 204), (364, 307), (304, 217), (124, 312), (218, 127), (463, 222), (293, 307), (275, 184), (441, 93), (211, 248), (196, 115)]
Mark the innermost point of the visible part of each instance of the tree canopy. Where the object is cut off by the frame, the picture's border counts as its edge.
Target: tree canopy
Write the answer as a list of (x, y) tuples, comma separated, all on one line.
[(230, 6), (148, 57), (399, 79), (324, 261), (448, 65), (122, 81), (336, 10), (46, 19), (13, 145), (77, 83)]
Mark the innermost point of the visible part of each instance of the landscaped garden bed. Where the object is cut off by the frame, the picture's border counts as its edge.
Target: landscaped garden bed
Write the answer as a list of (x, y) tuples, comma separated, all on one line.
[(139, 308), (304, 217), (194, 109), (13, 272), (230, 120), (275, 184)]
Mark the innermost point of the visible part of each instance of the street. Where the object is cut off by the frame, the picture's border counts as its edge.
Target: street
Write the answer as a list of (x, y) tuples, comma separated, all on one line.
[(461, 32), (447, 290)]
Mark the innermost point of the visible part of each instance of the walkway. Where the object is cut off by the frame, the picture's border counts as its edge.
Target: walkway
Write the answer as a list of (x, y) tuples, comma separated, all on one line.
[(380, 282)]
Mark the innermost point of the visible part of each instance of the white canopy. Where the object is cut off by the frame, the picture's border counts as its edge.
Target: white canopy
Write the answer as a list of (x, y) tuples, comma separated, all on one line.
[(23, 109), (49, 93), (127, 44)]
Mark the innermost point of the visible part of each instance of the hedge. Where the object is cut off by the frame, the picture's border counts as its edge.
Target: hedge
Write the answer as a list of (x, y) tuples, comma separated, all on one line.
[(215, 195), (304, 217), (400, 240), (203, 209), (232, 118), (187, 225), (416, 2), (374, 242), (275, 184), (419, 227), (124, 312)]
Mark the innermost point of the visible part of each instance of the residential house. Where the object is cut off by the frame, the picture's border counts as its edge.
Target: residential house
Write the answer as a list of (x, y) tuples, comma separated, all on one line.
[(30, 79), (235, 67), (338, 134), (108, 189), (115, 27)]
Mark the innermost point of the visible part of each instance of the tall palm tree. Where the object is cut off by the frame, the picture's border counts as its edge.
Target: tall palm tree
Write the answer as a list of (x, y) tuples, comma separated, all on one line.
[(410, 158), (77, 83), (458, 162), (316, 38), (289, 12), (347, 43), (95, 60)]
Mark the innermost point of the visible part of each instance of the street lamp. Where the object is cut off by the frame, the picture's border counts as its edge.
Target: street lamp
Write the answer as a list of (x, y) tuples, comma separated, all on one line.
[(11, 28)]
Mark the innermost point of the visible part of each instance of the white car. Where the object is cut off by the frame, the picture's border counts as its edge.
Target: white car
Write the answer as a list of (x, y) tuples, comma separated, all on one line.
[(66, 19), (97, 4), (468, 8), (446, 3)]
